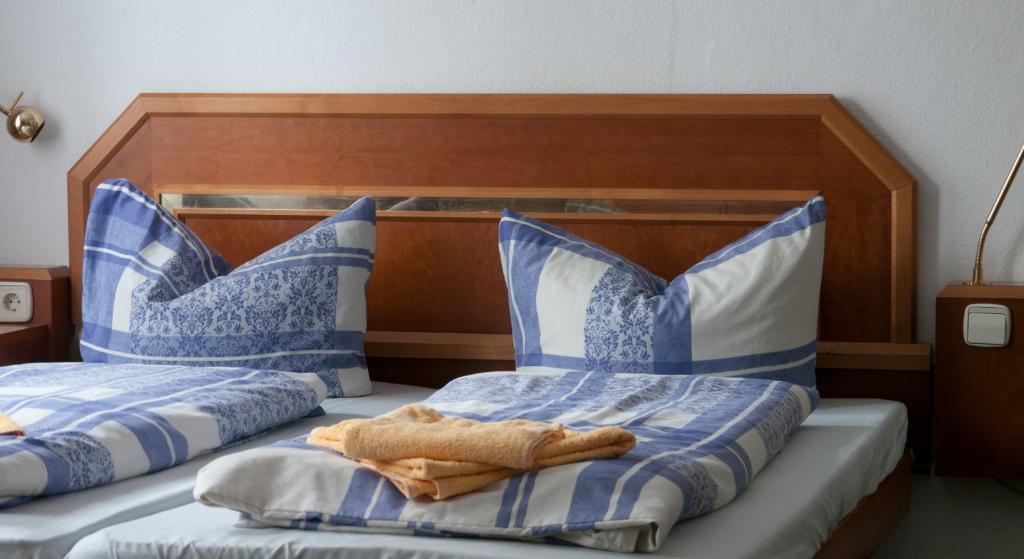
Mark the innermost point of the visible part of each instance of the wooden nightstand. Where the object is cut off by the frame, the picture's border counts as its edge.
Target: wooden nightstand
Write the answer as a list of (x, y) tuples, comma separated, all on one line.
[(979, 391), (47, 335)]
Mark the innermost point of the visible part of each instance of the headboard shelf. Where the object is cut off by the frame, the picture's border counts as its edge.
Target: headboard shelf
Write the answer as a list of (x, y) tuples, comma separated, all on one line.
[(499, 347)]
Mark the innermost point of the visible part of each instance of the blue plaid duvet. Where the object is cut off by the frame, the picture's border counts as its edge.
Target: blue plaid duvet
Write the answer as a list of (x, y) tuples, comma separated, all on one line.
[(701, 440), (89, 424)]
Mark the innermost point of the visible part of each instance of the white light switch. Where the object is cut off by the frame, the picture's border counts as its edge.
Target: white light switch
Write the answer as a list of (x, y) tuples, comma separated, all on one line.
[(987, 325)]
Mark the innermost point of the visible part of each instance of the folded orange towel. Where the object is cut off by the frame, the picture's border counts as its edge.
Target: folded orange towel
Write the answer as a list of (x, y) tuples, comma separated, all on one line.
[(9, 427), (416, 431), (440, 479), (424, 453)]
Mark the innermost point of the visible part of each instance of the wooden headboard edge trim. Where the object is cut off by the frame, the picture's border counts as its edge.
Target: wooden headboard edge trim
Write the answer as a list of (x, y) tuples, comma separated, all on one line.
[(494, 104), (823, 106), (904, 220)]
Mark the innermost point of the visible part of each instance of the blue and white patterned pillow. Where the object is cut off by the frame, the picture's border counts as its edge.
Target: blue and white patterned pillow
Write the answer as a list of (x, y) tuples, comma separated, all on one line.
[(750, 309), (152, 292)]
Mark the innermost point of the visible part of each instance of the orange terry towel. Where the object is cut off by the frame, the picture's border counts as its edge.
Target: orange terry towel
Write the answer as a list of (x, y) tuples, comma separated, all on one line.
[(9, 427), (425, 453)]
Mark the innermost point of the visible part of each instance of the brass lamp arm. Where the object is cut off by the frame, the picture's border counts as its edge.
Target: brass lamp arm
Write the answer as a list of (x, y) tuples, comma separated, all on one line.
[(7, 110), (977, 278)]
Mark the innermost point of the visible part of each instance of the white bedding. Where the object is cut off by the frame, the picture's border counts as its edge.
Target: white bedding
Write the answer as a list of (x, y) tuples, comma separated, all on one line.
[(839, 455), (48, 527)]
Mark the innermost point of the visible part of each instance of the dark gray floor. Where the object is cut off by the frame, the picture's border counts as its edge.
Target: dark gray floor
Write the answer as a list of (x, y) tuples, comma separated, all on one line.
[(959, 517)]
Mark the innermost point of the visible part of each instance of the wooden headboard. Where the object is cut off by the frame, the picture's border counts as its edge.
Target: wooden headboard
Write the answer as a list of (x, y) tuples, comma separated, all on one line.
[(689, 173)]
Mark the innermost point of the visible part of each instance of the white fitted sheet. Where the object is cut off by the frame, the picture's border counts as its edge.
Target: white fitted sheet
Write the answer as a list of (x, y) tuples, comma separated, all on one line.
[(48, 527), (839, 455)]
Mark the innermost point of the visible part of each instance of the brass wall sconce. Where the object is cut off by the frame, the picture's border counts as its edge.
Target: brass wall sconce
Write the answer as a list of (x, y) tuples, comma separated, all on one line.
[(23, 123)]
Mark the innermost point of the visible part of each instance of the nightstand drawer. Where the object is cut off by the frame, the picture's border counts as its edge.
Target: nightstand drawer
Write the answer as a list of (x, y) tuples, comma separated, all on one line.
[(23, 344)]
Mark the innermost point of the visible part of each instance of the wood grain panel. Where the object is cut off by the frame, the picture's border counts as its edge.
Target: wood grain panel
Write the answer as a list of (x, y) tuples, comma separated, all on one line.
[(858, 240), (491, 136), (433, 373), (498, 151)]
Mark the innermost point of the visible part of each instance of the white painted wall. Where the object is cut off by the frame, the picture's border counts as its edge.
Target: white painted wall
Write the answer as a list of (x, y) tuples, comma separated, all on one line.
[(940, 83)]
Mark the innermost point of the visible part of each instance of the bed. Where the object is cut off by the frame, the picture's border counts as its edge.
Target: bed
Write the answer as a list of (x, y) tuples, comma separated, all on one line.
[(634, 172), (861, 439)]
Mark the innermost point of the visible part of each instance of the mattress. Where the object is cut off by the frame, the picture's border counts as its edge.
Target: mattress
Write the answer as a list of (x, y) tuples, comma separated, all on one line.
[(48, 527), (839, 455)]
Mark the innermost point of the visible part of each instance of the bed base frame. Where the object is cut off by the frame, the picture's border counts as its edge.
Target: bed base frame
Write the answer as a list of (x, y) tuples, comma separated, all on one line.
[(864, 528), (683, 174)]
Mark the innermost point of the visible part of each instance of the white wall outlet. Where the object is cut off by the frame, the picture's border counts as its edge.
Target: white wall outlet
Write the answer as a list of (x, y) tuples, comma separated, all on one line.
[(15, 301)]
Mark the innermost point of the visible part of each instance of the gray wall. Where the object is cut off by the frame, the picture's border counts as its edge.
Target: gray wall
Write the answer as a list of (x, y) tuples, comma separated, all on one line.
[(940, 83)]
